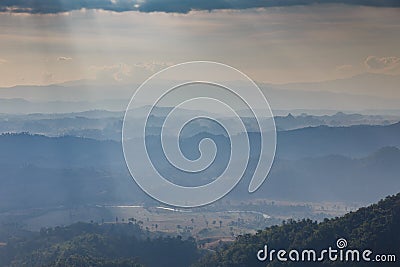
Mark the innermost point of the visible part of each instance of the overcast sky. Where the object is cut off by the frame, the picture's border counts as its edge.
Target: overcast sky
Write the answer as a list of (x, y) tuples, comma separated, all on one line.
[(46, 44)]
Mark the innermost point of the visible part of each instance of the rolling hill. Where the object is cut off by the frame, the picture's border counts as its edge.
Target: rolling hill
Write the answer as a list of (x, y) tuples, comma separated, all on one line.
[(375, 228)]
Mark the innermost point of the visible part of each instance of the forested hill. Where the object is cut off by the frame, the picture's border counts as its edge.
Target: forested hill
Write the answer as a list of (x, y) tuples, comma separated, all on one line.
[(376, 227), (93, 245)]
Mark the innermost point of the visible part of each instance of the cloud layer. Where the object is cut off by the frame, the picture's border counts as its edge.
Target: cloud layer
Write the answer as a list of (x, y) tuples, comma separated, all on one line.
[(382, 63), (169, 6), (64, 58)]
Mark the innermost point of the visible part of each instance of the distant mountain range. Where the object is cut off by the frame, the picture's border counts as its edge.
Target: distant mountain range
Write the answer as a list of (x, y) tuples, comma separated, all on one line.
[(107, 125), (361, 84), (353, 141), (23, 106), (345, 164), (335, 178), (361, 92)]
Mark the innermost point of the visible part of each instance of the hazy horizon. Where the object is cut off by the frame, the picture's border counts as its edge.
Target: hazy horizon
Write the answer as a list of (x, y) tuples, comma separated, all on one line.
[(310, 47)]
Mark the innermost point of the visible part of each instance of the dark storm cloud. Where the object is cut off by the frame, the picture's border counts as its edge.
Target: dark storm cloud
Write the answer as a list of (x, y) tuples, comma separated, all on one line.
[(175, 6)]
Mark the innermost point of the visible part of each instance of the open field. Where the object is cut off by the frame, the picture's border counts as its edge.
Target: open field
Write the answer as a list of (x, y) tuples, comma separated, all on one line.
[(220, 222)]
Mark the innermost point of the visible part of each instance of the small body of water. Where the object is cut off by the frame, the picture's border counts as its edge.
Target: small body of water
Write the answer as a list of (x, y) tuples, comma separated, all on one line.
[(265, 216), (172, 209), (121, 206)]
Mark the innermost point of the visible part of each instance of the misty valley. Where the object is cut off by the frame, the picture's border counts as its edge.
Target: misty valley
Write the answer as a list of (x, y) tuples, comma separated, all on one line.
[(64, 180)]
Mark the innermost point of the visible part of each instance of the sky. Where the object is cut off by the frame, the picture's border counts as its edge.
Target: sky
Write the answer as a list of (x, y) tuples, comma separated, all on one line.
[(48, 42)]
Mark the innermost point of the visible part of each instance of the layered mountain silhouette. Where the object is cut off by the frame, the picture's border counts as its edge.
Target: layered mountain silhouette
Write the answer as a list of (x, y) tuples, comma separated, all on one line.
[(348, 164)]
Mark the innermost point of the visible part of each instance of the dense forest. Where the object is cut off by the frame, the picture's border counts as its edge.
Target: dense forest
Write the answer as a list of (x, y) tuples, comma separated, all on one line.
[(84, 244), (376, 228)]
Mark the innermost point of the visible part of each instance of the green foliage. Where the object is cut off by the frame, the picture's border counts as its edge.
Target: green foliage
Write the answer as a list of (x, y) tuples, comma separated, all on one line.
[(376, 227), (82, 245)]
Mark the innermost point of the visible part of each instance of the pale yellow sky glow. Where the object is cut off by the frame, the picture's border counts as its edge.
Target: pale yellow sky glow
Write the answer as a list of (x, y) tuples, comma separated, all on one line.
[(274, 45)]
